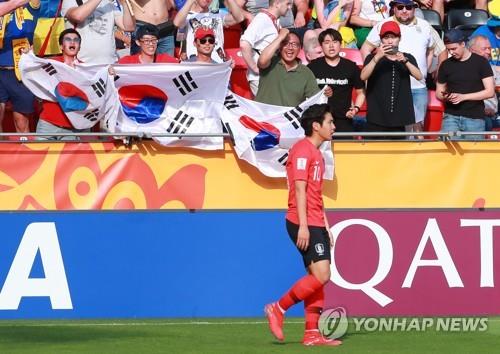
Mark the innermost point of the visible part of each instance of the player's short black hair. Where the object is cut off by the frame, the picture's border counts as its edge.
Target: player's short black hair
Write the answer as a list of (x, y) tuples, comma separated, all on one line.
[(315, 113), (68, 31)]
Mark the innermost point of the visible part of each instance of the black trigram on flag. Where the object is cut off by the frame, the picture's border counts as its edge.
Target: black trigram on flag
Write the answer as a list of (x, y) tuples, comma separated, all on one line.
[(92, 115), (230, 102), (49, 68), (283, 159), (185, 83), (99, 87), (293, 116), (180, 124)]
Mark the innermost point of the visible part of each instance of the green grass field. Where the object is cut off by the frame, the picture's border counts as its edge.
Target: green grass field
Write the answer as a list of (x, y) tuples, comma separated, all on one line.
[(224, 336)]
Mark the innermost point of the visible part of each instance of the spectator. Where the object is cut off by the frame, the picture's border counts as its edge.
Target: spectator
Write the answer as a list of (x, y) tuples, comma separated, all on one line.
[(334, 14), (195, 14), (52, 117), (366, 14), (204, 42), (492, 31), (340, 76), (95, 20), (480, 45), (312, 48), (16, 36), (388, 92), (154, 12), (464, 81), (252, 7), (147, 40), (416, 39), (261, 31), (284, 81)]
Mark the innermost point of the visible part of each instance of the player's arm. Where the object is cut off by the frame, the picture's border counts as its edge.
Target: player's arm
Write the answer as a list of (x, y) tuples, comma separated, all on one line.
[(235, 14), (300, 195), (127, 21), (327, 226), (180, 18), (268, 53), (441, 91), (247, 53), (8, 6), (79, 14)]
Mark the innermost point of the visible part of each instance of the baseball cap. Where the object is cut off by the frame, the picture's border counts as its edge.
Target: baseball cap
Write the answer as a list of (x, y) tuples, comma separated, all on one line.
[(403, 2), (203, 32), (147, 29), (390, 27), (454, 36)]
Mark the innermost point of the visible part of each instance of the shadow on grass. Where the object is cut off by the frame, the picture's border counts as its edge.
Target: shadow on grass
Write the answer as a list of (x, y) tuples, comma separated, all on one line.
[(34, 334)]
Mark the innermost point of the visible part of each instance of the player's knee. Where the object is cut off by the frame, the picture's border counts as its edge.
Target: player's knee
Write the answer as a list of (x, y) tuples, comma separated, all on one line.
[(323, 276)]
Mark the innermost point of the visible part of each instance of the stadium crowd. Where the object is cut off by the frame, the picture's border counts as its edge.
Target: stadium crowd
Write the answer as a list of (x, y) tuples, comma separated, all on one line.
[(380, 60)]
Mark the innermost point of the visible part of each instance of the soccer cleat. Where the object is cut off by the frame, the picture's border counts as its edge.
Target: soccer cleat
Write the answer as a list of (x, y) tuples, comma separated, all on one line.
[(275, 319), (315, 338)]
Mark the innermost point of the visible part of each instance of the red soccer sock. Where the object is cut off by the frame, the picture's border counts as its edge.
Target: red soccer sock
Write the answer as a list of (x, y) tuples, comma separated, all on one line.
[(313, 305), (301, 290)]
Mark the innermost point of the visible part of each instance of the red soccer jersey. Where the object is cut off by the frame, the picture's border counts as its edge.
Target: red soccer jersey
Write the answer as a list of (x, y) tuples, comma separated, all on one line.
[(160, 58), (52, 112), (306, 163)]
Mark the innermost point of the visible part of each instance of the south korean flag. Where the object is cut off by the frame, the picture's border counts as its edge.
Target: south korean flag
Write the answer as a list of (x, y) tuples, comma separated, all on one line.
[(82, 91), (178, 99), (262, 134)]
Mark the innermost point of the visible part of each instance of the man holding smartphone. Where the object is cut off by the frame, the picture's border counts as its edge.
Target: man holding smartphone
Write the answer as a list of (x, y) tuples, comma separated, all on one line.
[(416, 39), (388, 89), (464, 81)]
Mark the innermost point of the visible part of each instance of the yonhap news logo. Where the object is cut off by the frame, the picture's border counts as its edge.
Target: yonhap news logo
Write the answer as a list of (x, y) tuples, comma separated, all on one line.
[(334, 323)]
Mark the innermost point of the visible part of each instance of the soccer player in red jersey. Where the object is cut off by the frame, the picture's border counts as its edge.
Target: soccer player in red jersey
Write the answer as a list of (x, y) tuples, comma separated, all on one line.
[(307, 226)]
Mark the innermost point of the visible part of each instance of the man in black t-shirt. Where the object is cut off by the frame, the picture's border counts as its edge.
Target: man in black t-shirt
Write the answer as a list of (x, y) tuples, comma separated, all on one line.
[(341, 76), (464, 81)]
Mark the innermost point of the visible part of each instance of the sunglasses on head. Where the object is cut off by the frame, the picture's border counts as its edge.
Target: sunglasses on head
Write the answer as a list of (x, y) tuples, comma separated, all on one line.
[(407, 7), (210, 40)]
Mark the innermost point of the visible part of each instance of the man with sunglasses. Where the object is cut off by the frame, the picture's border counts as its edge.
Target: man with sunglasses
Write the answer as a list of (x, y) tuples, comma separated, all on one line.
[(416, 39), (196, 13), (204, 42), (52, 118), (147, 41), (284, 80)]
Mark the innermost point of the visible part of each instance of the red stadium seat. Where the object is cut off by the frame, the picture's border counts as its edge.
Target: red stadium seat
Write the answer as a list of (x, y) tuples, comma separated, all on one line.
[(434, 117), (238, 81), (232, 36), (352, 54)]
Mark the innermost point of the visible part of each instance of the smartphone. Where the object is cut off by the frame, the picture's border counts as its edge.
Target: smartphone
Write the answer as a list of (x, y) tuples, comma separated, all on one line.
[(393, 50)]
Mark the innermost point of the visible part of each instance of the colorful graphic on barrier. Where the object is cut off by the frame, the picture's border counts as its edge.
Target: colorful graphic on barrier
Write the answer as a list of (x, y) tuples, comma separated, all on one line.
[(57, 176), (81, 180)]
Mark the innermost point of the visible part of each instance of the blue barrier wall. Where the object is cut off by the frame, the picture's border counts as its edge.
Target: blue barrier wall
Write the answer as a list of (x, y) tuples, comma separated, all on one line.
[(159, 264)]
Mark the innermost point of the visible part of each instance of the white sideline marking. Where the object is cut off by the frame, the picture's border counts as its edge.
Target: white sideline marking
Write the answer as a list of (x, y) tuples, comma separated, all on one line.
[(201, 323)]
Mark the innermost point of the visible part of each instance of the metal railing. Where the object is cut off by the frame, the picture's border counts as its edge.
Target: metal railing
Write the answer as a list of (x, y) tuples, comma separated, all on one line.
[(130, 137)]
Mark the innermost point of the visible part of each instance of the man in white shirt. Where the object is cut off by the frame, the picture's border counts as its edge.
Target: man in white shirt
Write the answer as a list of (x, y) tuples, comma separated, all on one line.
[(259, 34), (196, 13), (95, 20)]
